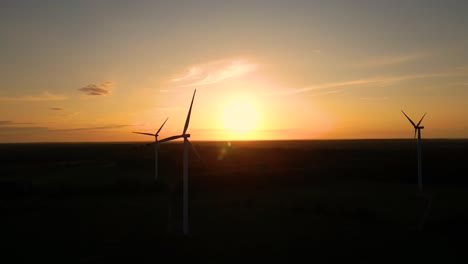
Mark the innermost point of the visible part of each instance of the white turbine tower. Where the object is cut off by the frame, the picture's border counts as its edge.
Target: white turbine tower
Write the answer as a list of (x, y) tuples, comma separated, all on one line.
[(417, 129), (156, 146), (185, 136)]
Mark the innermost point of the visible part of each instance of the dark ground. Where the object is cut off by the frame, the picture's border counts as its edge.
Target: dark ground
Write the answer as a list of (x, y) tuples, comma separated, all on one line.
[(324, 201)]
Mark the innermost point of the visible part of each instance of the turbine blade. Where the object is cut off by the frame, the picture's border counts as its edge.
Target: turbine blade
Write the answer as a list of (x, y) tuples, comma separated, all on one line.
[(409, 118), (422, 119), (157, 133), (142, 133), (194, 150), (170, 138), (187, 121)]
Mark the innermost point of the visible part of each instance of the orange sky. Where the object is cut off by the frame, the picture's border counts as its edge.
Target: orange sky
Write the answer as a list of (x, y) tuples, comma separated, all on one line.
[(96, 72)]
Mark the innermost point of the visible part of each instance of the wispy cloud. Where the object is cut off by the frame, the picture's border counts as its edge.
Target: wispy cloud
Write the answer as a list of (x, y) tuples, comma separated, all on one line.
[(56, 108), (46, 96), (214, 72), (90, 128), (8, 127), (325, 86), (378, 98), (389, 60), (8, 122), (378, 81), (337, 91), (98, 89), (14, 129)]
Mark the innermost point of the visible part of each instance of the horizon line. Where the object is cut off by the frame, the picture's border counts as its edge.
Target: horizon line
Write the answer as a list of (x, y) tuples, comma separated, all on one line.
[(235, 140)]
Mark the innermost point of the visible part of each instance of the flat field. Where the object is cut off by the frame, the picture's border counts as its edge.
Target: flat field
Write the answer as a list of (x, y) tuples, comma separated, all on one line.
[(323, 201)]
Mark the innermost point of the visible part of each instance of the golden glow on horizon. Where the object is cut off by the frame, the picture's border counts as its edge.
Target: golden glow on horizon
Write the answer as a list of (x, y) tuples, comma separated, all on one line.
[(240, 118), (256, 79)]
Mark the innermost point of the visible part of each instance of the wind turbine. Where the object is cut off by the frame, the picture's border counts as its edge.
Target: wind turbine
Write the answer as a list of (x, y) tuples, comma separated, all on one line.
[(417, 129), (185, 136), (156, 146)]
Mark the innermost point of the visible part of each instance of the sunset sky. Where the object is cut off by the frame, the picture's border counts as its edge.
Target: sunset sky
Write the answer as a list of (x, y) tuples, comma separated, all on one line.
[(98, 70)]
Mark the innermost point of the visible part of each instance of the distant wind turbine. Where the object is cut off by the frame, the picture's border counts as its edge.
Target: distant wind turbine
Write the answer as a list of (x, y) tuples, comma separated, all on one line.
[(417, 129), (185, 136), (156, 146)]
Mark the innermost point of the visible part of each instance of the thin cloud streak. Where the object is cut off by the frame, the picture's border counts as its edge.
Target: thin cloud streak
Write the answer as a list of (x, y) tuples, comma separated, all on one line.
[(8, 122), (390, 60), (88, 128), (385, 98), (337, 91), (193, 72), (214, 72), (380, 81), (15, 129), (5, 126), (56, 108), (46, 96), (325, 86)]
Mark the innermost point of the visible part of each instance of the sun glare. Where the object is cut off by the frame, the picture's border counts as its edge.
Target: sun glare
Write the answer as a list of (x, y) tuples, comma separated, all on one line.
[(240, 117)]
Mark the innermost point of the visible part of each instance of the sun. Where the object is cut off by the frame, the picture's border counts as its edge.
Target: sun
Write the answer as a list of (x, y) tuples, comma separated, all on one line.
[(240, 116)]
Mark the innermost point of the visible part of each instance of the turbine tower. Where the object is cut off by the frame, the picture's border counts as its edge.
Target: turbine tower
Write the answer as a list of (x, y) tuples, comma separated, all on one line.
[(185, 136), (417, 129), (156, 146)]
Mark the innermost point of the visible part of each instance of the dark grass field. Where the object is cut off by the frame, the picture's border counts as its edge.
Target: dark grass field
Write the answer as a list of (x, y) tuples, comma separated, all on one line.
[(319, 201)]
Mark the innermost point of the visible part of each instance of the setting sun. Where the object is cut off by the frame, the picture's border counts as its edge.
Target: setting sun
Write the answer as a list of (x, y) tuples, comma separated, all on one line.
[(240, 117), (303, 70)]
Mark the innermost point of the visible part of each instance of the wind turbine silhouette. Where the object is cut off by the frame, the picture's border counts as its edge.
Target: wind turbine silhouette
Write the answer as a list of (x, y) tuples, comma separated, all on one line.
[(185, 136), (156, 146), (417, 129)]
